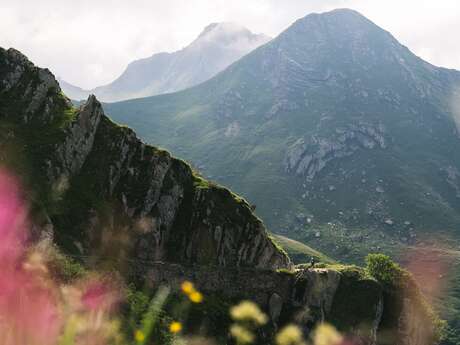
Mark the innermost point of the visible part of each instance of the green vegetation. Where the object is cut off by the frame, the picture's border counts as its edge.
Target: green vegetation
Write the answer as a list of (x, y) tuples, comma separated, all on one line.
[(69, 115), (277, 245), (65, 268), (398, 284), (385, 270), (299, 252)]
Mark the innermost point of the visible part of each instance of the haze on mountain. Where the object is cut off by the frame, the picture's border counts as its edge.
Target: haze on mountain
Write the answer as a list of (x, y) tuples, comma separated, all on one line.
[(341, 136), (218, 46)]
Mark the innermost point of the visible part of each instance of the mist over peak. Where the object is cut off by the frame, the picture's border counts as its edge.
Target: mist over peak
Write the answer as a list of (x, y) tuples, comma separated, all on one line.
[(218, 46)]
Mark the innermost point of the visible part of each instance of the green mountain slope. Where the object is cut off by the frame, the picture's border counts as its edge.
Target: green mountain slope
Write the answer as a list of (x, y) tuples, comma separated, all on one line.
[(341, 136), (333, 119), (300, 252)]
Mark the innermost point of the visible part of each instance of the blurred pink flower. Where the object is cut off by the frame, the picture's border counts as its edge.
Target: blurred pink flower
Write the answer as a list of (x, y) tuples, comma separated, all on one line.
[(13, 228), (28, 308), (99, 295)]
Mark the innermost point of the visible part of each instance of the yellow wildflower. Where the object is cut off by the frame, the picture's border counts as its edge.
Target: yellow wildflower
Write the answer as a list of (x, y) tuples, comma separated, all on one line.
[(196, 297), (248, 311), (289, 335), (175, 327), (187, 287), (326, 334), (139, 336), (241, 334)]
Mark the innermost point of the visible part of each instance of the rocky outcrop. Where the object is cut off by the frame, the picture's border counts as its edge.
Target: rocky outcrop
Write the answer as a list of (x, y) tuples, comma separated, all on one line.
[(453, 179), (355, 303), (28, 93), (176, 216), (317, 288), (78, 142), (303, 296), (110, 189), (307, 157)]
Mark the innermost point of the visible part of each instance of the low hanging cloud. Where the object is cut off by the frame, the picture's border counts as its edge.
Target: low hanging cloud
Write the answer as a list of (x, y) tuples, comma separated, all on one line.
[(89, 43)]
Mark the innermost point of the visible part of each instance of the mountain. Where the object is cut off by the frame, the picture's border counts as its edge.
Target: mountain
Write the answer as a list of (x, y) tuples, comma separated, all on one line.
[(332, 121), (91, 179), (77, 93), (218, 46), (341, 136), (108, 199)]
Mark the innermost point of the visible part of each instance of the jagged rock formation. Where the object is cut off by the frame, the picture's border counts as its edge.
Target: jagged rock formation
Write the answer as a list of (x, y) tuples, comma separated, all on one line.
[(218, 46), (168, 212), (314, 295)]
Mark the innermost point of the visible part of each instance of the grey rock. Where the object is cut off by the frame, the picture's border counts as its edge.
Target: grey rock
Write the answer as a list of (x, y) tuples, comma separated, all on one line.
[(147, 201), (275, 305), (307, 157)]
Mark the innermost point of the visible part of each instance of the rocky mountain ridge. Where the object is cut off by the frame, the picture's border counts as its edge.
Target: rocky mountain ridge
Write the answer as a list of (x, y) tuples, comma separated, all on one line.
[(162, 193)]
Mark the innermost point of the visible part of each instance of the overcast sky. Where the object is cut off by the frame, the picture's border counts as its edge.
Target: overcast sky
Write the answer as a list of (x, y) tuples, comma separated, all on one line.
[(90, 42)]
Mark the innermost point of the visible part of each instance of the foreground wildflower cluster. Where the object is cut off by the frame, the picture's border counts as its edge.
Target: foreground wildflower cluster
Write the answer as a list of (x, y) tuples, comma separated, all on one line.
[(35, 307), (247, 319), (193, 294)]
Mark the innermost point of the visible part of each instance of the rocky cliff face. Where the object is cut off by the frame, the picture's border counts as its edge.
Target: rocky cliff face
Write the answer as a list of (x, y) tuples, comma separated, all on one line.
[(104, 182), (345, 297), (307, 157), (306, 296)]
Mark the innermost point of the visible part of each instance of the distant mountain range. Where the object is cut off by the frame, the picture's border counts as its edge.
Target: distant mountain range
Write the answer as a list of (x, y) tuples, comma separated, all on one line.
[(218, 46), (341, 136)]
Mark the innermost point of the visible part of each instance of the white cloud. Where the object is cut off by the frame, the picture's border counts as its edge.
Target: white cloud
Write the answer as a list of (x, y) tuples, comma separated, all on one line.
[(90, 42)]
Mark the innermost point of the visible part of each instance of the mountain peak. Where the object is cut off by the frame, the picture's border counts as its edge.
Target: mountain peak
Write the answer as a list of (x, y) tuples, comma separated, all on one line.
[(344, 12), (228, 32), (228, 27), (342, 18), (341, 14)]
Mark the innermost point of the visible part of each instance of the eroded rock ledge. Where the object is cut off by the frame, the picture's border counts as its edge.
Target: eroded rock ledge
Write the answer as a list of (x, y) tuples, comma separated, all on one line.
[(346, 297), (307, 157), (110, 194)]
